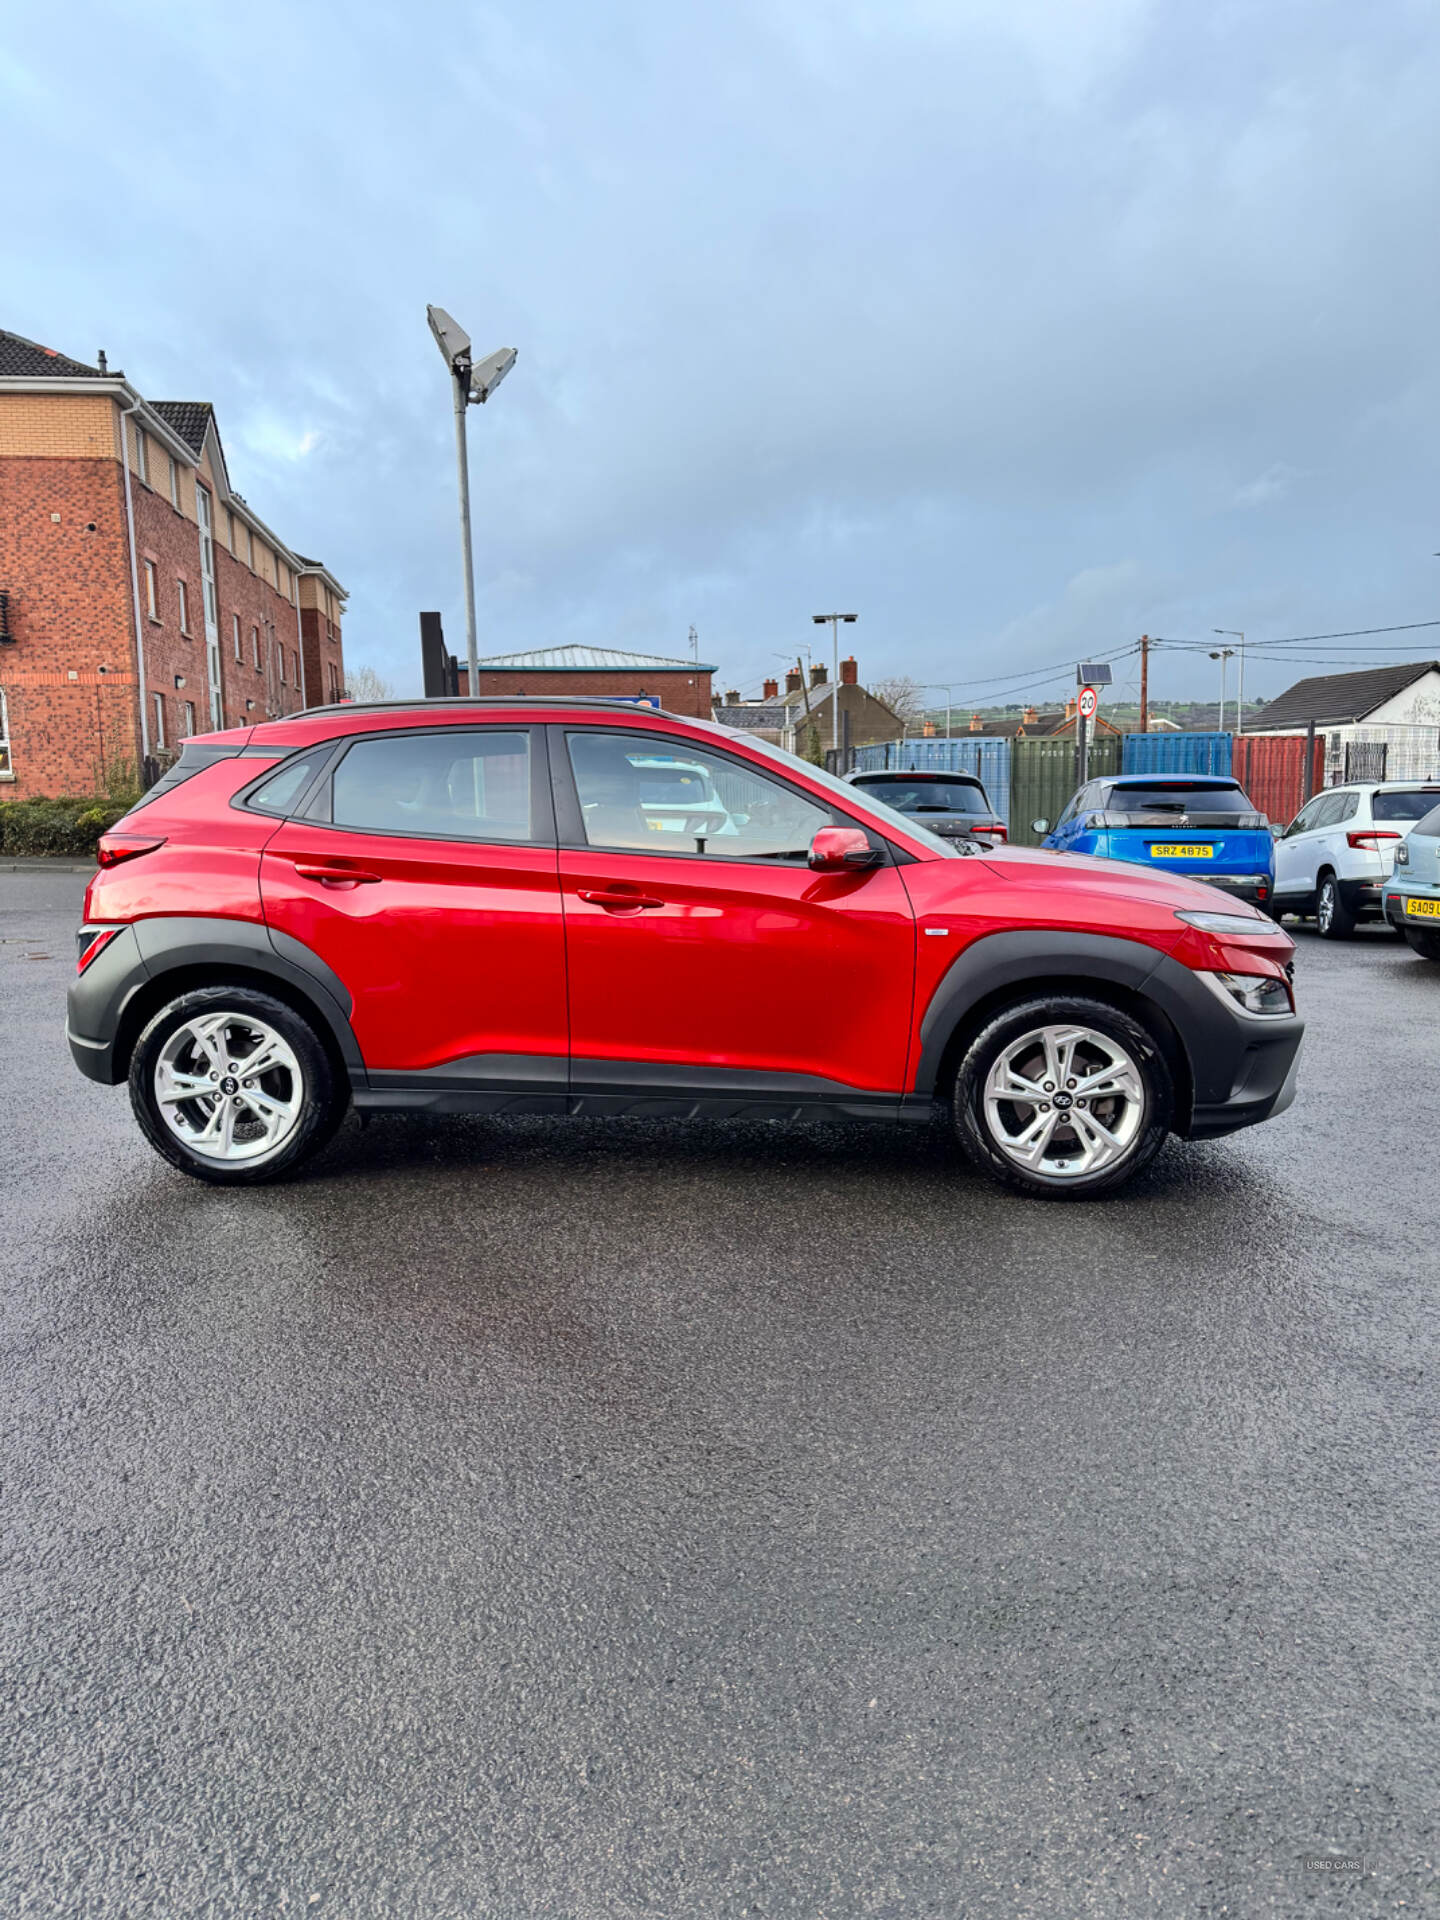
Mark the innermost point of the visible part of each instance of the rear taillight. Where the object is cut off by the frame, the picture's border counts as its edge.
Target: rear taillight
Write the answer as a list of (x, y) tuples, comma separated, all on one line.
[(997, 832), (1370, 838), (115, 847), (92, 941)]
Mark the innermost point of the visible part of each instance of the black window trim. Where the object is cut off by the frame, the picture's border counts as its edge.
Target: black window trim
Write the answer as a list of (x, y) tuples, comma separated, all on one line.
[(571, 826), (542, 817)]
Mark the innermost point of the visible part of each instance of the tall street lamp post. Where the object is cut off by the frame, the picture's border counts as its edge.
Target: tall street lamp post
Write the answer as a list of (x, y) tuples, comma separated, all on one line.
[(1225, 655), (834, 620), (473, 387), (1234, 633)]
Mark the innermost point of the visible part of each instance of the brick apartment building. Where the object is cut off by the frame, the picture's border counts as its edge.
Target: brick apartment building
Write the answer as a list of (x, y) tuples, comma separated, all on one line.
[(680, 686), (141, 598)]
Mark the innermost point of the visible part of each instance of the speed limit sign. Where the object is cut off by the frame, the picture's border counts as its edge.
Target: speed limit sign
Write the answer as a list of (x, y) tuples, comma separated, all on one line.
[(1089, 700)]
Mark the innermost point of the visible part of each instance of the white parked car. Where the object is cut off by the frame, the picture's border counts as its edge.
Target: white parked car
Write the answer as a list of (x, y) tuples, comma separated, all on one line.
[(1335, 856)]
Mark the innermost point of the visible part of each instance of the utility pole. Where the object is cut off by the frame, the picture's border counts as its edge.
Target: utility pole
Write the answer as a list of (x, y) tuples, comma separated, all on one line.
[(1145, 644), (694, 646)]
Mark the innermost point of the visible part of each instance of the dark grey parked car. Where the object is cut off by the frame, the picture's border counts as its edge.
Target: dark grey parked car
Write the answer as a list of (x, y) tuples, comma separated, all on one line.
[(954, 805)]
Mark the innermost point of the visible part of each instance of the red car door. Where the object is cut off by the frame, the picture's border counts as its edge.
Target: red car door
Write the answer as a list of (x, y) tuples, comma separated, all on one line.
[(423, 874), (704, 955)]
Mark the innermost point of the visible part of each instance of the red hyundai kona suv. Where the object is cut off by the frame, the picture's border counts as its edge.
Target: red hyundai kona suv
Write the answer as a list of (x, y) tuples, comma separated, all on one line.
[(587, 907)]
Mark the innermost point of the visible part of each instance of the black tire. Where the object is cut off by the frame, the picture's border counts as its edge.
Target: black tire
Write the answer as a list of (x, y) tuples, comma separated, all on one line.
[(1427, 945), (320, 1098), (1333, 919), (1153, 1113)]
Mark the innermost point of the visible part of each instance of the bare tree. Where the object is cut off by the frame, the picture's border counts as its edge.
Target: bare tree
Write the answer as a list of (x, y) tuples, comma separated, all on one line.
[(904, 697), (365, 684)]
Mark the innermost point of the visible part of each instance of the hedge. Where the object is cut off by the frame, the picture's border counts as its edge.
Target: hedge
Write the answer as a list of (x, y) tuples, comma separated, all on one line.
[(69, 825)]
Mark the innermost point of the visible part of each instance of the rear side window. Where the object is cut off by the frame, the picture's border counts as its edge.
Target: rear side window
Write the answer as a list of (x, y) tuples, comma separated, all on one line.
[(283, 791), (1415, 805), (452, 785)]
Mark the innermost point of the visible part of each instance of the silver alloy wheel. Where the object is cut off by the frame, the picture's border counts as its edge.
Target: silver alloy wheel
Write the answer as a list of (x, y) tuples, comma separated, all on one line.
[(1064, 1101), (229, 1086), (1325, 906)]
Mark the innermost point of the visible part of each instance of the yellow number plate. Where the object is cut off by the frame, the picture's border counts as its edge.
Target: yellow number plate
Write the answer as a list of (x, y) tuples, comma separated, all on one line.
[(1187, 852), (1423, 909)]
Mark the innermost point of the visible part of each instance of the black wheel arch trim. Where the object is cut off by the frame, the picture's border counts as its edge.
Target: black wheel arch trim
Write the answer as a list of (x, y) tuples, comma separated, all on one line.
[(102, 1001)]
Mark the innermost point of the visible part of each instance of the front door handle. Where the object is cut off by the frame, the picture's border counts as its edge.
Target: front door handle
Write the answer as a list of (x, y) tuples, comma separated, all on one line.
[(336, 876), (614, 901)]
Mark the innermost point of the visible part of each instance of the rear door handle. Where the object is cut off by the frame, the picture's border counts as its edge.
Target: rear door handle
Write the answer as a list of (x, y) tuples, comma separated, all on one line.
[(615, 901), (336, 876)]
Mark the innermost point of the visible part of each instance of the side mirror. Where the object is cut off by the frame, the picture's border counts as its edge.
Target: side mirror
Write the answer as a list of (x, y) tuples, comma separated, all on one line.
[(1039, 826), (842, 850)]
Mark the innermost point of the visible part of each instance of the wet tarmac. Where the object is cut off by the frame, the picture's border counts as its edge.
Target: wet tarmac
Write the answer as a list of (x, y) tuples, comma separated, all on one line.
[(545, 1518)]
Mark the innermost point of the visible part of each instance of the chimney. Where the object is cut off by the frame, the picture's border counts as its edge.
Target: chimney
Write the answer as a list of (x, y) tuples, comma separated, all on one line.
[(1029, 717), (102, 362), (817, 676), (772, 690), (1070, 708), (794, 680), (977, 725), (849, 672), (732, 696), (927, 730)]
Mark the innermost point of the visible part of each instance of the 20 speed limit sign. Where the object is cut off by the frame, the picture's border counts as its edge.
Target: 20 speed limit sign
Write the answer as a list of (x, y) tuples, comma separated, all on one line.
[(1089, 700)]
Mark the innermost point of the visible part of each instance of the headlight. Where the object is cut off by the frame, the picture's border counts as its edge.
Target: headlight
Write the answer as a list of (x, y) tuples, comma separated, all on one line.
[(1248, 924), (1257, 993)]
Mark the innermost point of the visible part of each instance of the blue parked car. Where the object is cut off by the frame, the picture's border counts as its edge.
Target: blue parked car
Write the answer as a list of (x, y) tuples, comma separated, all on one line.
[(1198, 824), (1412, 892)]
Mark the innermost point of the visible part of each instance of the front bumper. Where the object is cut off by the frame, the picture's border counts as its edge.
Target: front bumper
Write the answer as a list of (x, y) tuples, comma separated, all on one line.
[(1242, 1067)]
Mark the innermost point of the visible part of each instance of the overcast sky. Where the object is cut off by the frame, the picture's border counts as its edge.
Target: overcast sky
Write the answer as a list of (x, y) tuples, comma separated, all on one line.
[(1015, 326)]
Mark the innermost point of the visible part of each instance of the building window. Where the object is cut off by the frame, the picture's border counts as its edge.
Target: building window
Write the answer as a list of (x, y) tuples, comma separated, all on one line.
[(230, 528), (187, 719), (207, 562), (152, 591), (184, 595), (255, 649), (7, 772), (239, 650), (174, 482), (142, 461), (250, 548), (281, 651), (159, 736)]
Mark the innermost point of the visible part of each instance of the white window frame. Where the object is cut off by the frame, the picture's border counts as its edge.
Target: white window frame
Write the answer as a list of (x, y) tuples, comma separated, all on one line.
[(239, 645), (187, 719), (255, 649), (281, 651), (174, 482), (142, 457), (152, 590), (159, 737), (183, 594)]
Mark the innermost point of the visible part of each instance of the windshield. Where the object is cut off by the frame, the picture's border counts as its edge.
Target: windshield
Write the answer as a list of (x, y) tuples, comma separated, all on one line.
[(927, 796), (1405, 806), (858, 800)]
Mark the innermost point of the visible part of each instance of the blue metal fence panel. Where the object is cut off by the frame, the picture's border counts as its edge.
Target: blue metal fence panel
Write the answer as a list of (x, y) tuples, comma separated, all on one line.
[(1177, 753), (988, 760)]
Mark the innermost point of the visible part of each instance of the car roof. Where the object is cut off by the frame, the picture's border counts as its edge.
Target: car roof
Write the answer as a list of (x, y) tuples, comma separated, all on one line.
[(1170, 779), (915, 773)]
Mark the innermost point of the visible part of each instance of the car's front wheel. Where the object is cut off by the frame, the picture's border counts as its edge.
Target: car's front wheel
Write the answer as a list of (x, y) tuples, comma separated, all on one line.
[(1333, 919), (233, 1086), (1063, 1098)]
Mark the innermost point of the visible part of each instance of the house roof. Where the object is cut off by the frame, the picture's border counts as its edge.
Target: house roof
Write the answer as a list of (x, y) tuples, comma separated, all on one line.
[(748, 713), (594, 660), (26, 360), (188, 418), (1340, 697)]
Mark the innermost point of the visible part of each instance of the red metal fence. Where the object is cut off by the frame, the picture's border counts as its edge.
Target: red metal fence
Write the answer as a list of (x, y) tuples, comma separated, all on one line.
[(1271, 769)]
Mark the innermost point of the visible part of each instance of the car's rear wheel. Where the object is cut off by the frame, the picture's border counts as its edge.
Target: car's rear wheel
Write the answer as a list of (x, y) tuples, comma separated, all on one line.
[(1333, 919), (233, 1086), (1063, 1098), (1427, 945)]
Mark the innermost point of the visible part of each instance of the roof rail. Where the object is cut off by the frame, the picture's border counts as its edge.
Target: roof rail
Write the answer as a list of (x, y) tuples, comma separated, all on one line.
[(605, 700)]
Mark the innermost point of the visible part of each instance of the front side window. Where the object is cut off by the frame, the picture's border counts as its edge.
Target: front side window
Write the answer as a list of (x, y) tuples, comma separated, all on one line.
[(1307, 817), (452, 785), (655, 795)]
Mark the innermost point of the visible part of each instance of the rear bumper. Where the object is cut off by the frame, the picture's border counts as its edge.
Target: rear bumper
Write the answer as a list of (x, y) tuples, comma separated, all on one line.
[(1394, 910), (1362, 898)]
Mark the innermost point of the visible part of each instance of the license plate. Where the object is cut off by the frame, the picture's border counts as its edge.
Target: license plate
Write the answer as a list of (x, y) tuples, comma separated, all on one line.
[(1162, 850), (1423, 909)]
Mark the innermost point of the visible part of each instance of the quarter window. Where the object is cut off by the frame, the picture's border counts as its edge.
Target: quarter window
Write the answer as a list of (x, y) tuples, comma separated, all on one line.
[(665, 796), (284, 788), (447, 786)]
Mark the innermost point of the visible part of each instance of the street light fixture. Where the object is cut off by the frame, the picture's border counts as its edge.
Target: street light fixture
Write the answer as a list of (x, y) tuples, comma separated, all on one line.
[(947, 687), (1225, 654), (1234, 633), (473, 387), (834, 619)]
